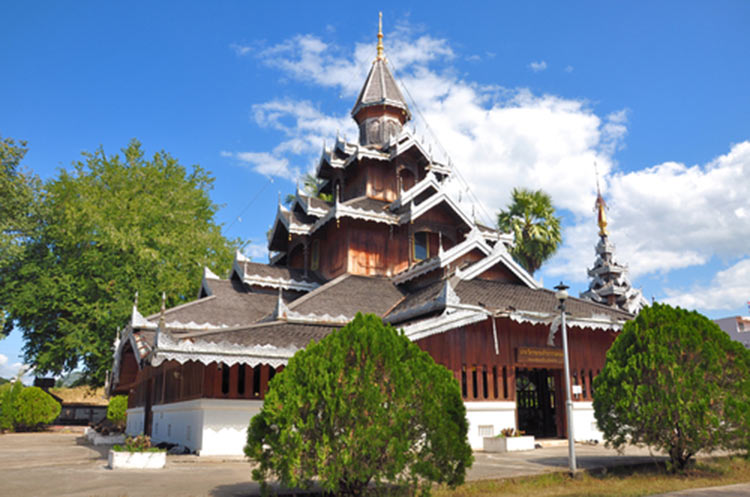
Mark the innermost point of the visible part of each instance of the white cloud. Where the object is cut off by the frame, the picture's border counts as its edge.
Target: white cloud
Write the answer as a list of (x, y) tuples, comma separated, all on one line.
[(240, 50), (568, 69), (538, 66), (257, 251), (3, 360), (729, 289)]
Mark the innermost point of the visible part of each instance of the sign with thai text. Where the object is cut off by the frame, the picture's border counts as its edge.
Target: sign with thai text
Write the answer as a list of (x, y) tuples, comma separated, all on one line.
[(540, 356)]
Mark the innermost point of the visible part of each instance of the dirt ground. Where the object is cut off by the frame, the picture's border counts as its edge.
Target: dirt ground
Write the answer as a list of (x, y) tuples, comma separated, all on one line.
[(65, 464)]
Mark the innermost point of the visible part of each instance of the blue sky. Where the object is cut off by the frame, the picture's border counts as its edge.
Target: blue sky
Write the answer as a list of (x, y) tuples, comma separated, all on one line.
[(515, 93)]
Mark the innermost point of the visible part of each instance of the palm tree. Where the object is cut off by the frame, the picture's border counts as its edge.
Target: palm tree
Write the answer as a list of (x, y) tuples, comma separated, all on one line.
[(311, 186), (531, 218)]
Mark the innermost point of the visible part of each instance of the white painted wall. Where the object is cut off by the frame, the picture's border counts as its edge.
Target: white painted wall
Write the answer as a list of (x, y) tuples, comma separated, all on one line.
[(225, 424), (584, 423), (178, 423), (134, 421), (498, 415)]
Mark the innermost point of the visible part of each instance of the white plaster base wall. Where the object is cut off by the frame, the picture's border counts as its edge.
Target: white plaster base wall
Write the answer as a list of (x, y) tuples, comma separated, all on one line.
[(134, 421), (215, 427), (483, 415), (225, 424), (584, 423)]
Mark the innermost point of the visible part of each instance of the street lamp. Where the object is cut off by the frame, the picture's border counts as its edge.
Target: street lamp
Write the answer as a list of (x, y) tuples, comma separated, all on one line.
[(562, 295)]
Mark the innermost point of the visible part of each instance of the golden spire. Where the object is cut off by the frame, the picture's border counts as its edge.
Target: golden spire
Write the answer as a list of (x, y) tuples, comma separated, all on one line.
[(600, 205), (381, 55)]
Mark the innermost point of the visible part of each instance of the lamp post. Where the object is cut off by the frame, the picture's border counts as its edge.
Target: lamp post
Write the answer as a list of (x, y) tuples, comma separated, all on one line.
[(562, 295)]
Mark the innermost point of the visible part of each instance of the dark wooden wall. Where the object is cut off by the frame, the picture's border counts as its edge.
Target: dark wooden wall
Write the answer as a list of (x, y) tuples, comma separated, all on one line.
[(469, 353)]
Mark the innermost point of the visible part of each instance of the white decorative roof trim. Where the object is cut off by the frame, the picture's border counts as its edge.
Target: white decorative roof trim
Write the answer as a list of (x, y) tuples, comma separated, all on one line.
[(274, 257), (208, 274), (296, 317), (474, 240), (429, 181), (447, 321), (221, 352), (595, 322), (240, 257), (446, 298), (499, 254), (137, 320), (283, 283), (403, 145), (415, 212)]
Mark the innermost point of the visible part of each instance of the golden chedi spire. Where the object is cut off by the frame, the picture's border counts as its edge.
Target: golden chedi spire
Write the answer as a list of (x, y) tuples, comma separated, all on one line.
[(601, 207), (381, 54)]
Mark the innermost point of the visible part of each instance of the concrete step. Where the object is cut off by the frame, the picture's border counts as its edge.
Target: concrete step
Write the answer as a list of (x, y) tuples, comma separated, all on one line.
[(551, 442)]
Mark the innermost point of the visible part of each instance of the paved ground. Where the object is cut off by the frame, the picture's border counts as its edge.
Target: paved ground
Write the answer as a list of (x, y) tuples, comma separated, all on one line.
[(740, 490), (59, 464)]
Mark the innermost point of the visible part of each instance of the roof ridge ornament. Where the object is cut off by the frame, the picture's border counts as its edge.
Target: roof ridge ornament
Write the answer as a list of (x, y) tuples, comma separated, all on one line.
[(381, 54)]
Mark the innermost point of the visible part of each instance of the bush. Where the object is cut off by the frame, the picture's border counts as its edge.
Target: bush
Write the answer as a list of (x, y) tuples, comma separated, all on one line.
[(364, 405), (675, 381), (117, 410), (35, 408), (8, 402)]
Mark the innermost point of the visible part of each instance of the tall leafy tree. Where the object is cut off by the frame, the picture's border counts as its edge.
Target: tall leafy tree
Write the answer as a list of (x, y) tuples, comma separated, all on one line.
[(673, 380), (111, 226), (363, 406), (19, 195), (531, 218)]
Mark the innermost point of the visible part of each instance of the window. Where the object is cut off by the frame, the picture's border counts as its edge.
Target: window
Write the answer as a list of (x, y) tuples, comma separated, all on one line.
[(256, 381), (486, 430), (485, 390), (241, 379), (315, 256), (494, 381), (421, 246), (224, 378), (474, 386), (463, 381)]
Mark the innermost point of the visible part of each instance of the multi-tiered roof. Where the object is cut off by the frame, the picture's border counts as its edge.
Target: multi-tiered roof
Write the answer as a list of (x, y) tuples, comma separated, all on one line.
[(390, 241)]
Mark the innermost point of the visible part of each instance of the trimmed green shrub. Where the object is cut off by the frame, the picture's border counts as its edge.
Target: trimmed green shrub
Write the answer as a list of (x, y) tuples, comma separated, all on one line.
[(117, 410), (675, 381), (363, 406), (8, 403), (34, 409)]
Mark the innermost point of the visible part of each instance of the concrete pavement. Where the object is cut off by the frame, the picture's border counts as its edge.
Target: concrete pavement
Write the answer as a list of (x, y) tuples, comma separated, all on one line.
[(60, 464)]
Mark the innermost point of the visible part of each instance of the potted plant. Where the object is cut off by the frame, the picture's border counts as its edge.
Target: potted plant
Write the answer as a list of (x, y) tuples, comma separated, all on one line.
[(509, 440), (137, 453)]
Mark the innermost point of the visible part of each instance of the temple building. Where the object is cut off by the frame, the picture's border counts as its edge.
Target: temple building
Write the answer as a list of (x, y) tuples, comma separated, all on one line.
[(610, 284), (392, 242)]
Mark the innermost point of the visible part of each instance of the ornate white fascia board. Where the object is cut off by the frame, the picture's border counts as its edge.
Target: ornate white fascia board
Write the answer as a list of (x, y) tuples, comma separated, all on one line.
[(205, 287), (446, 298), (274, 257), (304, 202), (283, 283), (429, 181), (299, 318), (449, 320), (474, 240), (431, 202), (340, 210), (222, 352), (402, 145), (439, 168), (594, 322), (499, 254)]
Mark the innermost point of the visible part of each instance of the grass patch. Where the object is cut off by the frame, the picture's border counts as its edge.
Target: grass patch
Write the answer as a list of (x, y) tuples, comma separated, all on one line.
[(619, 482)]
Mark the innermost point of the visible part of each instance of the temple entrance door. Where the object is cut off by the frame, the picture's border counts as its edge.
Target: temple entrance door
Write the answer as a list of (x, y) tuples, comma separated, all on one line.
[(536, 402)]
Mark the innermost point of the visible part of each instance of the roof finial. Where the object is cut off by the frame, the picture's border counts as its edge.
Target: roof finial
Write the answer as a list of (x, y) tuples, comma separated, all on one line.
[(600, 205), (381, 56)]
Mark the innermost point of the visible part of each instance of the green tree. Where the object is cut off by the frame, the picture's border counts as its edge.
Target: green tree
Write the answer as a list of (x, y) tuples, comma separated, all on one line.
[(34, 409), (19, 192), (311, 187), (8, 402), (111, 226), (675, 381), (117, 410), (363, 406), (531, 218)]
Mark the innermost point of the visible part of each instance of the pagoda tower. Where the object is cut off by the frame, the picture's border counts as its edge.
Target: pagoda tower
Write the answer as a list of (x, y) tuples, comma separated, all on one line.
[(385, 209), (610, 284)]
